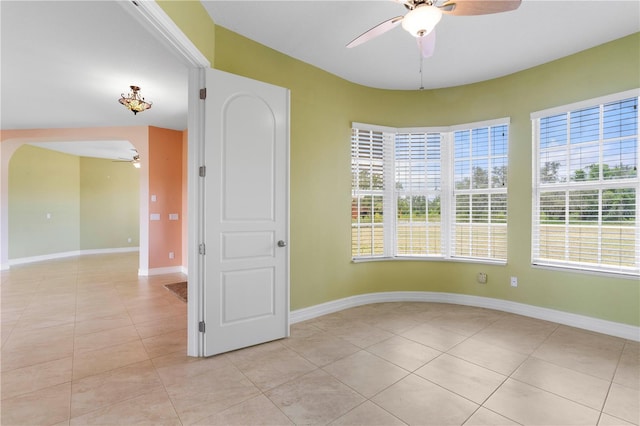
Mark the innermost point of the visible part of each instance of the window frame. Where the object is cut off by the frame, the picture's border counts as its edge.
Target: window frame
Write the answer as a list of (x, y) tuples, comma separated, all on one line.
[(569, 186), (446, 191)]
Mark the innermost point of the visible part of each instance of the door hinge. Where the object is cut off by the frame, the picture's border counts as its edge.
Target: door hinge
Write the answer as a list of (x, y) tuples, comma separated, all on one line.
[(201, 327), (202, 249), (202, 171), (203, 93)]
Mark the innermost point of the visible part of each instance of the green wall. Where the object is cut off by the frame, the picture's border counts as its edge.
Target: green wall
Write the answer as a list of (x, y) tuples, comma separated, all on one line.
[(322, 109), (93, 203), (109, 204), (43, 182)]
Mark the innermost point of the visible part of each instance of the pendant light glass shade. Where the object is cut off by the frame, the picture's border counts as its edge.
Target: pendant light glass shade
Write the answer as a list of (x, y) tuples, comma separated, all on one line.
[(134, 102), (421, 20)]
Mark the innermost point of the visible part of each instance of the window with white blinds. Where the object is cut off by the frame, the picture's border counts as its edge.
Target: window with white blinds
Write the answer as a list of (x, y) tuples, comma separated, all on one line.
[(586, 186), (417, 185), (370, 153), (480, 193), (430, 192)]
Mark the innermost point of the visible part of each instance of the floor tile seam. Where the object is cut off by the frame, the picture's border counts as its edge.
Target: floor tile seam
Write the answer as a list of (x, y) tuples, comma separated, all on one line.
[(128, 364), (484, 366), (37, 363), (367, 398), (102, 348), (494, 412), (264, 391), (615, 371), (260, 393), (399, 366), (530, 357), (432, 347), (349, 342), (535, 357), (616, 417), (370, 400), (449, 390), (315, 363), (15, 325), (22, 394), (3, 372), (557, 394), (606, 399), (506, 378), (166, 391), (119, 401), (44, 389), (257, 388)]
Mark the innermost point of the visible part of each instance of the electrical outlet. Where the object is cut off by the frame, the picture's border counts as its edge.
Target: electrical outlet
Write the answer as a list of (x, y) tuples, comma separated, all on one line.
[(514, 281), (481, 277), (171, 255), (129, 240)]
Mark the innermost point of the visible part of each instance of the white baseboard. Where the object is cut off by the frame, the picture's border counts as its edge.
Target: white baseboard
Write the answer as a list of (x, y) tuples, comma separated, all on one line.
[(611, 328), (61, 255), (161, 271)]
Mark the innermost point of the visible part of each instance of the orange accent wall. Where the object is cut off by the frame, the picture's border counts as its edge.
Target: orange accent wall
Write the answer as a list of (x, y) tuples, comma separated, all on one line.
[(166, 184), (185, 204)]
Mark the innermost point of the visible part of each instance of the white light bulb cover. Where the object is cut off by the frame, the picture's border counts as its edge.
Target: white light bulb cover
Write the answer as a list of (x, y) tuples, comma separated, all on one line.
[(421, 20)]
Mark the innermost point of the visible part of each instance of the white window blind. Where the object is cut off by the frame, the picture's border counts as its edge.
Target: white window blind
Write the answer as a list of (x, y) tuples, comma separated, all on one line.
[(480, 193), (417, 185), (405, 202), (586, 186), (370, 205)]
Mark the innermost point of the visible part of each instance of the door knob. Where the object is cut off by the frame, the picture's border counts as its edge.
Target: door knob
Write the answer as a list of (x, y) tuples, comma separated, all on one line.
[(281, 243)]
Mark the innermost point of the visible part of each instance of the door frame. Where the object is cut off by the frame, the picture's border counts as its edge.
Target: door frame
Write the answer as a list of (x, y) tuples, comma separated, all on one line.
[(158, 23)]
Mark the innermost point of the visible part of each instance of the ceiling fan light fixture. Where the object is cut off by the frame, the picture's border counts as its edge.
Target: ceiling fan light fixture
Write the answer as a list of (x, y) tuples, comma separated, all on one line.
[(134, 102), (136, 160), (421, 20)]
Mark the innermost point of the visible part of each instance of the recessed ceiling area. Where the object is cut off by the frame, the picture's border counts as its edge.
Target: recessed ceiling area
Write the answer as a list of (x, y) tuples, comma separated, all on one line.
[(111, 150)]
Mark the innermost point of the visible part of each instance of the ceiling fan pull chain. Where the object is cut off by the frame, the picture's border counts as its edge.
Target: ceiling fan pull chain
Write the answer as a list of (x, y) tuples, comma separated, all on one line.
[(421, 65)]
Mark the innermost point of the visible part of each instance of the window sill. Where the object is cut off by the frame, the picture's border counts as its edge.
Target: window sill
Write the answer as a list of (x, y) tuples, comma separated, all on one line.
[(583, 270), (428, 259)]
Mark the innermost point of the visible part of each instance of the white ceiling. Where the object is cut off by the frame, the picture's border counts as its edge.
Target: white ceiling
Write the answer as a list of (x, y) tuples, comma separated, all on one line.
[(65, 63), (468, 48)]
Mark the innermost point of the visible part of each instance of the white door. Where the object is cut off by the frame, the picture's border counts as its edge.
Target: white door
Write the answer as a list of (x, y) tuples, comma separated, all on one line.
[(246, 217)]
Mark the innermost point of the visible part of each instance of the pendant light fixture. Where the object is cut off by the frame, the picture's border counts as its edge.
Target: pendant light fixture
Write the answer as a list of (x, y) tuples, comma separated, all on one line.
[(422, 19), (134, 102)]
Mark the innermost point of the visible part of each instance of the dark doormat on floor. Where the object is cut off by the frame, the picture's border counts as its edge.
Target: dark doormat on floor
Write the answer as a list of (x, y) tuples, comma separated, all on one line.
[(179, 289)]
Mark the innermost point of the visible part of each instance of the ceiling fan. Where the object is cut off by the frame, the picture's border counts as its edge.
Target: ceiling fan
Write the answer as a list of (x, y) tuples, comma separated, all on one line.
[(424, 15), (135, 159)]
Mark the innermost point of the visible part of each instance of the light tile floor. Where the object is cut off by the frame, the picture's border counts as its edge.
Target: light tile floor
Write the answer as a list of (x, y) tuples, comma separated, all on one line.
[(86, 341)]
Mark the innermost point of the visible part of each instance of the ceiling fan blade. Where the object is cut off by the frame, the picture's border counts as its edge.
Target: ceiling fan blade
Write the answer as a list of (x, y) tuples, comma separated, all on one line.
[(478, 7), (427, 44), (376, 31)]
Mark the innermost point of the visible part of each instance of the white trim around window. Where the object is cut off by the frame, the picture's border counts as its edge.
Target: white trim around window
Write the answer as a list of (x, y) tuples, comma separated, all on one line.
[(586, 186), (406, 210)]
